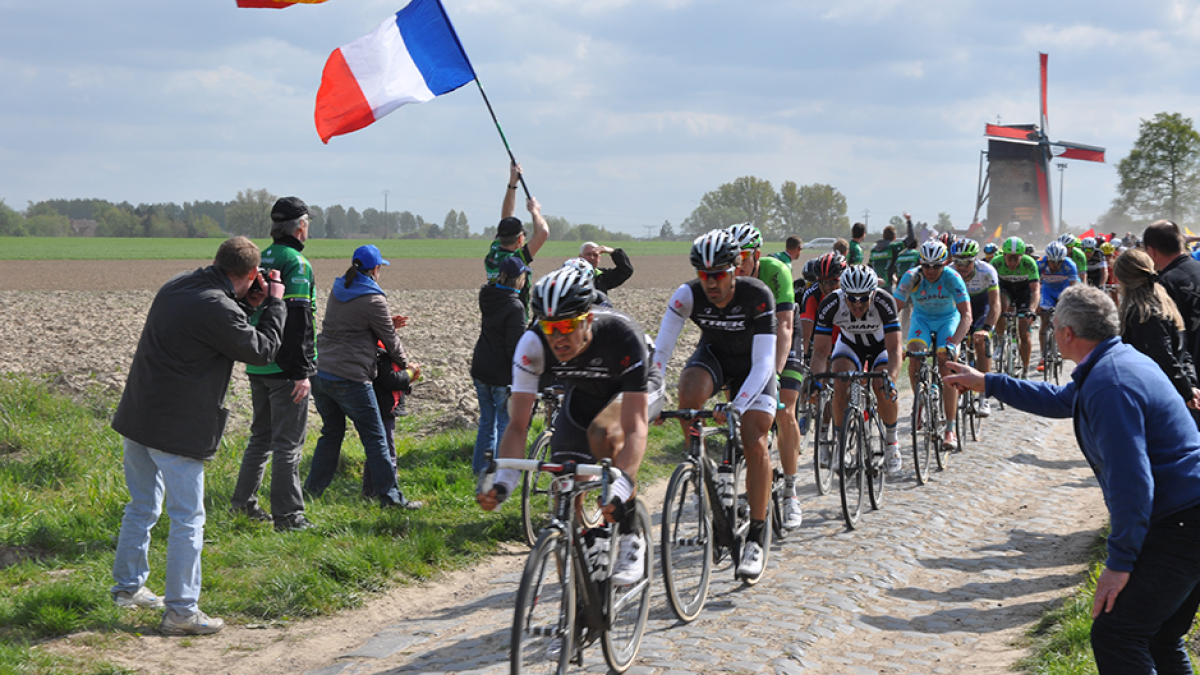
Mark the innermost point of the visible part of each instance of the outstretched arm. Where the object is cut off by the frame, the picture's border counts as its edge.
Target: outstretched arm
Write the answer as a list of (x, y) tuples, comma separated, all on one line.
[(541, 231), (510, 194)]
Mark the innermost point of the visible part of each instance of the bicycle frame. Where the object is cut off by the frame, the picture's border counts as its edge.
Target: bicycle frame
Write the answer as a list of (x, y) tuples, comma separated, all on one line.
[(724, 534)]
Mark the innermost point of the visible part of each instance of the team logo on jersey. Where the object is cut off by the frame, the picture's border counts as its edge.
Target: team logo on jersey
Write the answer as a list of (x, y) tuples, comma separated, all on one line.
[(625, 362), (525, 360), (596, 361), (762, 307), (678, 304)]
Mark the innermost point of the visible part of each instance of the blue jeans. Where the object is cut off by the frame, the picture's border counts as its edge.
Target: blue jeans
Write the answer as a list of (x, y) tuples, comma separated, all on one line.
[(336, 400), (148, 473), (1145, 631), (493, 420)]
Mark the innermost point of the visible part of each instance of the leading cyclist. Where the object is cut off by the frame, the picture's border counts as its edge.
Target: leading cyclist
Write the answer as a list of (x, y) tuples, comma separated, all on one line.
[(736, 317), (983, 286), (940, 304), (611, 393), (1057, 273), (1021, 290)]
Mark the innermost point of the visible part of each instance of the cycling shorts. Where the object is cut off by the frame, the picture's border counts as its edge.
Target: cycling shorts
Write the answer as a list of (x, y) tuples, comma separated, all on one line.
[(570, 440), (1018, 299), (860, 354), (922, 326), (1049, 298), (979, 310), (1097, 277), (704, 358)]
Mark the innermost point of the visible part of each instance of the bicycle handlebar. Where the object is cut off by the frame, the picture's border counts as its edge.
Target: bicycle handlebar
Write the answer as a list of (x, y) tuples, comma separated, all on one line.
[(855, 375), (609, 473)]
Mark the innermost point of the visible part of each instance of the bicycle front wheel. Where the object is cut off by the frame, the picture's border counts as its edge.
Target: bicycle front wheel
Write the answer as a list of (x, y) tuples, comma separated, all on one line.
[(824, 443), (851, 471), (535, 491), (922, 431), (686, 542), (629, 606), (544, 616)]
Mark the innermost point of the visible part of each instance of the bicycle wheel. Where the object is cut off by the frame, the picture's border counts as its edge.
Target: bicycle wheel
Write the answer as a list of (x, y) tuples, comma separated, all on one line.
[(974, 421), (686, 542), (535, 491), (876, 456), (629, 606), (940, 452), (922, 429), (1054, 361), (851, 473), (777, 504), (544, 616), (823, 440)]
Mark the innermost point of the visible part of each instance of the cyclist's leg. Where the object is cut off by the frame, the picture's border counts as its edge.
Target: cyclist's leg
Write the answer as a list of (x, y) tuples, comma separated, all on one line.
[(842, 360), (917, 341), (756, 424), (983, 360), (1044, 313), (1005, 307), (949, 400), (1026, 343), (700, 379)]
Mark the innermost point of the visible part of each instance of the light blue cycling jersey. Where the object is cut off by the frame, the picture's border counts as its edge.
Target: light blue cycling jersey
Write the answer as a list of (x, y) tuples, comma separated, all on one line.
[(933, 299), (1054, 283)]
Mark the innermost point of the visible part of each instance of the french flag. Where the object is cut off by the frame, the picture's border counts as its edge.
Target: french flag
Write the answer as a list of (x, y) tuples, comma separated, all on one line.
[(410, 58)]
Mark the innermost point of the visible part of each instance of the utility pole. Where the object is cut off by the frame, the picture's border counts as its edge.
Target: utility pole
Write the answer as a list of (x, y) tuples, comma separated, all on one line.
[(386, 225), (649, 228), (867, 218), (1062, 166)]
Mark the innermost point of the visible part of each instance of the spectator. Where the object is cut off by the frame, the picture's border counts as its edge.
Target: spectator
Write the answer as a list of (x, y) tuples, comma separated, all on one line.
[(841, 246), (1151, 324), (791, 253), (610, 278), (1134, 432), (491, 363), (858, 233), (1180, 275), (391, 384), (279, 391), (510, 234), (171, 417), (356, 317)]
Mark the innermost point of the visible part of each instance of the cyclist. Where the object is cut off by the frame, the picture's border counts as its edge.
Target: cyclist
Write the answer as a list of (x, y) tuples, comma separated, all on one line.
[(829, 271), (611, 393), (989, 250), (870, 340), (947, 239), (1057, 273), (1077, 256), (1097, 264), (736, 317), (1020, 286), (1110, 282), (940, 304), (778, 278), (983, 287)]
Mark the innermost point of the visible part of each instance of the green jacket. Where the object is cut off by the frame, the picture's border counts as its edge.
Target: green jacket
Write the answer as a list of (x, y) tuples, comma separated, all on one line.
[(297, 355)]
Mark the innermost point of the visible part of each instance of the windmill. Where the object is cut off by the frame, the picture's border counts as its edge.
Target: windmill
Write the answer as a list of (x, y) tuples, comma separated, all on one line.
[(1018, 172)]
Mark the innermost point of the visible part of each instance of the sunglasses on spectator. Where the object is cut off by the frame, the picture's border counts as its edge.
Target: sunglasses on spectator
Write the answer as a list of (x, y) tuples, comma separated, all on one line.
[(562, 326), (715, 275), (858, 299)]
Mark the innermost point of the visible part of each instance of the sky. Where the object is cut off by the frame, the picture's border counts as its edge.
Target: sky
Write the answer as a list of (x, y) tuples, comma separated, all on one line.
[(623, 113)]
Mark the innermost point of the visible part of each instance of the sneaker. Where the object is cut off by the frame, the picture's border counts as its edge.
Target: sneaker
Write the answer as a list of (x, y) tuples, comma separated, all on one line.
[(253, 512), (631, 560), (407, 504), (751, 564), (142, 597), (950, 441), (793, 517), (195, 624), (294, 524), (983, 408), (1041, 365), (894, 464), (1025, 372)]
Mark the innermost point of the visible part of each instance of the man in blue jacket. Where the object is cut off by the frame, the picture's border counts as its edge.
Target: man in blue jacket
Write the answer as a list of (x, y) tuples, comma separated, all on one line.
[(1139, 438)]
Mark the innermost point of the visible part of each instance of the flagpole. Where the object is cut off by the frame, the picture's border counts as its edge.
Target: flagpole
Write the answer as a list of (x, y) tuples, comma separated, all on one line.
[(502, 138)]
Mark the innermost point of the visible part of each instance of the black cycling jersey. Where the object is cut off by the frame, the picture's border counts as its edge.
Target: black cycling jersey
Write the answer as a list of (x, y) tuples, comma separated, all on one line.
[(867, 331), (730, 330), (615, 361)]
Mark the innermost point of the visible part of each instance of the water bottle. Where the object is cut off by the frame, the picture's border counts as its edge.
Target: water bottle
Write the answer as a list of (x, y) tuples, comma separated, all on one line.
[(725, 485)]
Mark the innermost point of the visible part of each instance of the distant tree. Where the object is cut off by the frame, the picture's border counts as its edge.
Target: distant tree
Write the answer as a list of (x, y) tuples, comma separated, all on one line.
[(335, 222), (944, 223), (113, 221), (12, 224), (204, 226), (214, 210), (378, 223), (434, 231), (407, 223), (454, 226), (354, 223), (823, 212), (316, 218), (250, 213), (746, 199), (560, 228), (464, 229), (666, 232), (1161, 176), (898, 223), (42, 220)]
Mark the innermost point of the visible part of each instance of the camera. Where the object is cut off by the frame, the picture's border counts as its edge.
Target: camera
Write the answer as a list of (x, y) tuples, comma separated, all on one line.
[(265, 273)]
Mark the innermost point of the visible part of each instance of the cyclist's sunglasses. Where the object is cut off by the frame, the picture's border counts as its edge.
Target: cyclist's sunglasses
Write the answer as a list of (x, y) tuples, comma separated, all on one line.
[(858, 299), (964, 260), (715, 275), (934, 266), (562, 326), (828, 282)]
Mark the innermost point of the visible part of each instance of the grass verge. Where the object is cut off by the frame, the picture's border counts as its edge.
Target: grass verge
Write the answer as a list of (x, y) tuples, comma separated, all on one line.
[(62, 495)]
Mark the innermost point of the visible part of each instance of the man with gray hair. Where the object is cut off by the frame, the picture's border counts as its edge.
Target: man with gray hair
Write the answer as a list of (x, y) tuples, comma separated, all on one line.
[(279, 391), (610, 278), (1138, 437)]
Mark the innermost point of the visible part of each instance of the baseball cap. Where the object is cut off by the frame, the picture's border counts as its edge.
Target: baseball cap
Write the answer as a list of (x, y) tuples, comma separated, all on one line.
[(288, 208), (509, 226), (513, 266), (369, 257)]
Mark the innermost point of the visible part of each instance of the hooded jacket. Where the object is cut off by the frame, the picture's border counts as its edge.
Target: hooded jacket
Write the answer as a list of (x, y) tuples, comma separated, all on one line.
[(356, 317)]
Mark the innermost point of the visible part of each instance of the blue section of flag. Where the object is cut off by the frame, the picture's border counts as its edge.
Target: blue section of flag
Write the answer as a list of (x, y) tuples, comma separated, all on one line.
[(433, 46)]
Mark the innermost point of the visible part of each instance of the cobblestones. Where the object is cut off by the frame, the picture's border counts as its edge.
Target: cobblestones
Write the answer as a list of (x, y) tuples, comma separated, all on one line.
[(921, 586)]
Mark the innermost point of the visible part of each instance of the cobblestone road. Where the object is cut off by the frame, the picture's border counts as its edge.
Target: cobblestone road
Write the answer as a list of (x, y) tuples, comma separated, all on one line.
[(940, 580)]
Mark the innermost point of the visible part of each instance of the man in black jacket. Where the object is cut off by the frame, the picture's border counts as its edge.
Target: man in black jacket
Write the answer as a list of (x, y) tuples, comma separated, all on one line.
[(491, 363), (280, 390), (611, 277), (172, 416), (1180, 275)]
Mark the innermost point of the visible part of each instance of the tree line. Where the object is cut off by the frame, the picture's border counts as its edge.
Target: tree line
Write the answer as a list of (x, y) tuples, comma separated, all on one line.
[(804, 210)]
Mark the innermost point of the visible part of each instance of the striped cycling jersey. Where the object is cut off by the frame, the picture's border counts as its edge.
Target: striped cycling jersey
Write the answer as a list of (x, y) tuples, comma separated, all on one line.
[(868, 330), (1053, 282)]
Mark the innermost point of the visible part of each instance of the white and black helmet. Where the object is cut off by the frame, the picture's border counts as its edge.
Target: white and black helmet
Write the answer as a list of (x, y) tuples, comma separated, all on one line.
[(580, 264), (714, 251), (746, 237), (859, 279), (933, 252), (1056, 252), (562, 294)]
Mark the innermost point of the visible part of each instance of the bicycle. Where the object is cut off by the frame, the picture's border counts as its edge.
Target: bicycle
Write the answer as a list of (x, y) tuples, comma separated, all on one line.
[(968, 401), (856, 466), (695, 535), (927, 415), (535, 487), (566, 599), (1009, 359), (1052, 361), (824, 442)]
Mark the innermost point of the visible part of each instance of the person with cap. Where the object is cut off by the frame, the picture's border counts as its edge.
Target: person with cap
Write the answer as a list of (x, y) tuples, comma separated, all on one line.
[(611, 277), (491, 363), (510, 234), (356, 319), (279, 391)]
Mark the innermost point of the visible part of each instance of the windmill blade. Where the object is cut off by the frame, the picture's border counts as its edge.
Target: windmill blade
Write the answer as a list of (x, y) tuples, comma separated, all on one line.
[(1015, 135), (1087, 153), (1043, 59)]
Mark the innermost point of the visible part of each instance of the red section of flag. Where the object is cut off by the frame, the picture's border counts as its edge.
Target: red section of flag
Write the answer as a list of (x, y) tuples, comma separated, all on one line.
[(341, 106), (1080, 153), (263, 4), (1090, 233)]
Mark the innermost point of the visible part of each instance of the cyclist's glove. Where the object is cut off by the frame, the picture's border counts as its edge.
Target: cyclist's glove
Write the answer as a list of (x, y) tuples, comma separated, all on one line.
[(892, 394), (506, 480)]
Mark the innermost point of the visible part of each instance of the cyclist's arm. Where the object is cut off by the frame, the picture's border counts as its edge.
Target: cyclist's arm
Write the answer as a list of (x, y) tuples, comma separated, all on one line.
[(679, 307), (822, 346), (783, 338), (634, 422), (762, 367), (993, 306), (891, 341), (964, 321), (1035, 295)]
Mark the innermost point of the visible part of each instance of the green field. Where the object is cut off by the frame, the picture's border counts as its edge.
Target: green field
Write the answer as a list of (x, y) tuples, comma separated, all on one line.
[(73, 248)]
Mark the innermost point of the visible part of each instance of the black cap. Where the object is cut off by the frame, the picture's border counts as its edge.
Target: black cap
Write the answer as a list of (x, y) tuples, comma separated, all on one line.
[(509, 226), (288, 208)]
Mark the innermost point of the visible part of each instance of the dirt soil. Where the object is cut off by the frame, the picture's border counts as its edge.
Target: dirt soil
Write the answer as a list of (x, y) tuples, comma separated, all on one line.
[(81, 320)]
